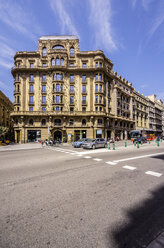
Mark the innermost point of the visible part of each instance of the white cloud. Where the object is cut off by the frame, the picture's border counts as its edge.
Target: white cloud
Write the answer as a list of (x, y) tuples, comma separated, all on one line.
[(18, 18), (100, 18), (156, 24), (58, 7)]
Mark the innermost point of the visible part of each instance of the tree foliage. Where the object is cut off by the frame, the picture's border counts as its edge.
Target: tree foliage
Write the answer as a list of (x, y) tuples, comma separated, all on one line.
[(3, 131)]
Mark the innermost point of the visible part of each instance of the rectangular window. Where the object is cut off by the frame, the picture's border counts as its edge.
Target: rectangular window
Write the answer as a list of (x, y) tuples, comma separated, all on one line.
[(71, 109), (97, 64), (57, 108), (57, 76), (100, 64), (100, 77), (83, 99), (96, 87), (61, 99), (99, 121), (31, 99), (71, 64), (43, 88), (31, 109), (84, 78), (96, 109), (71, 89), (31, 89), (57, 99), (72, 78), (83, 88), (84, 65), (96, 99), (44, 99), (43, 109), (84, 109), (57, 88), (44, 64), (44, 78), (96, 77), (61, 88), (31, 65), (31, 78), (71, 99), (100, 88), (61, 76)]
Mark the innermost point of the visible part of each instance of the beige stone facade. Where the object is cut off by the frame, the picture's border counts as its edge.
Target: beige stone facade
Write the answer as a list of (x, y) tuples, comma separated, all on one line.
[(67, 94)]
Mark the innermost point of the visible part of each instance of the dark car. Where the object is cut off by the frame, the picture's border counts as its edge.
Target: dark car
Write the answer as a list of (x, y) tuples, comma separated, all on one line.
[(138, 140), (95, 143), (79, 143)]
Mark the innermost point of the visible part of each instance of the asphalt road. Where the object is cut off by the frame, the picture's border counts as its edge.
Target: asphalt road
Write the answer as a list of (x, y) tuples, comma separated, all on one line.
[(73, 198)]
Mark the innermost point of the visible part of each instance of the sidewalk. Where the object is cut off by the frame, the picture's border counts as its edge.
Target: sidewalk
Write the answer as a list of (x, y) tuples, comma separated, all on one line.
[(118, 145)]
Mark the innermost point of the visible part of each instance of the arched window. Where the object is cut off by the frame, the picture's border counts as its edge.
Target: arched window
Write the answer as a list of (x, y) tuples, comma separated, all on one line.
[(52, 62), (71, 122), (72, 51), (43, 122), (62, 61), (31, 122), (44, 51), (83, 122), (57, 122), (58, 47), (57, 61)]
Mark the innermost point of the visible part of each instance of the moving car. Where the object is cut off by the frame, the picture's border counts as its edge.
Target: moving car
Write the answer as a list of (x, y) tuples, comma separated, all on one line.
[(79, 143), (94, 143), (143, 139)]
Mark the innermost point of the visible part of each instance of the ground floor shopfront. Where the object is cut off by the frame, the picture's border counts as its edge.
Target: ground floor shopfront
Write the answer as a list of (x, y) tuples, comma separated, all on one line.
[(34, 134)]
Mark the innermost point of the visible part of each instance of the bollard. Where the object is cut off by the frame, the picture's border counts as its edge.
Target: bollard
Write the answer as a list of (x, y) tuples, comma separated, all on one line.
[(113, 146), (125, 143), (157, 143), (161, 140), (149, 141), (141, 142), (134, 143), (138, 146), (109, 146)]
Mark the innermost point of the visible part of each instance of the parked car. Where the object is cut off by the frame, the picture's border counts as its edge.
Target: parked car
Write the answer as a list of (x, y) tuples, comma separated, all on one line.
[(79, 143), (94, 143), (143, 139)]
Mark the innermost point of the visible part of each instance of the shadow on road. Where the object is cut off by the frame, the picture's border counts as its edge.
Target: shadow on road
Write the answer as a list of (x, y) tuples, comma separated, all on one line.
[(159, 157), (143, 223)]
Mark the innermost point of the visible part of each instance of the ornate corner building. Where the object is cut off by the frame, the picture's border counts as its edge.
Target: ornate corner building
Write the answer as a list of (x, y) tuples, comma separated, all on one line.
[(67, 94)]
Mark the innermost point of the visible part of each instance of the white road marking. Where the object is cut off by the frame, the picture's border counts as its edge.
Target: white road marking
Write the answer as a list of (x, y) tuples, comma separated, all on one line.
[(143, 156), (97, 159), (112, 163), (129, 167), (79, 155), (87, 157), (152, 173), (66, 152)]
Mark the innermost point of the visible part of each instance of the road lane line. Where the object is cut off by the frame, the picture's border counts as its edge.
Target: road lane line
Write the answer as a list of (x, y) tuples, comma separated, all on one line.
[(87, 157), (138, 157), (79, 155), (97, 159), (129, 167), (109, 162), (152, 173)]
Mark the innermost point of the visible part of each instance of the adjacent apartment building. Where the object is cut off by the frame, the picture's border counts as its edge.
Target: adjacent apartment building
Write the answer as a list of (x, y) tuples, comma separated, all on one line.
[(67, 94), (6, 107)]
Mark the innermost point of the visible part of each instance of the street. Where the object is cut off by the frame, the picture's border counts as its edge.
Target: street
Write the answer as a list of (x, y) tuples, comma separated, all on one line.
[(62, 197)]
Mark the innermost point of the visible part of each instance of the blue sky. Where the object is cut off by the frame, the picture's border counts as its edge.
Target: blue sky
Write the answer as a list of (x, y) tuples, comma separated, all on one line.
[(130, 32)]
